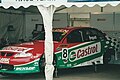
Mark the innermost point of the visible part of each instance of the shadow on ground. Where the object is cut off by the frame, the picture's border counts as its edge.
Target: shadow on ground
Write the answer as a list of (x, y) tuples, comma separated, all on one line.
[(104, 72)]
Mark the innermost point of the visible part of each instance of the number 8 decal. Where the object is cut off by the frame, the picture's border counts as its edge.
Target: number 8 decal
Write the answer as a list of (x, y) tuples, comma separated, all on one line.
[(64, 53)]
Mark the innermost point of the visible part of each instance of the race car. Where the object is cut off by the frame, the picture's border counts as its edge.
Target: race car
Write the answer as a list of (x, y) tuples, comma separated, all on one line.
[(73, 47)]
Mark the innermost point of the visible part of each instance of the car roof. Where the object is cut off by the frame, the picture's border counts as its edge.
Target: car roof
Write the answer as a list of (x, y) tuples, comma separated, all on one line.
[(66, 29)]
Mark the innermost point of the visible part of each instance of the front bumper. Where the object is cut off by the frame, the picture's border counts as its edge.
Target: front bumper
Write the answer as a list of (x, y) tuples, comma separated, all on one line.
[(31, 67)]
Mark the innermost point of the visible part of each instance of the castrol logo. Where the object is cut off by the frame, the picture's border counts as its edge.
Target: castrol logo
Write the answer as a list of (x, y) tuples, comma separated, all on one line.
[(85, 52)]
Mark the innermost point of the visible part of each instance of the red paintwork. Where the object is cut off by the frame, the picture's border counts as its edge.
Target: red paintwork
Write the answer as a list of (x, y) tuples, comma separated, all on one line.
[(38, 48)]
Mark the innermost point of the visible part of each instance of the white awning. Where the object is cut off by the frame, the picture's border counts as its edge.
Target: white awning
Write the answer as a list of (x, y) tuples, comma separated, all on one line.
[(56, 3)]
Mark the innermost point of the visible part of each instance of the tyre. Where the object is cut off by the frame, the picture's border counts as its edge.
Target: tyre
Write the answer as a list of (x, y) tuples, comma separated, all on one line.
[(42, 63), (108, 56)]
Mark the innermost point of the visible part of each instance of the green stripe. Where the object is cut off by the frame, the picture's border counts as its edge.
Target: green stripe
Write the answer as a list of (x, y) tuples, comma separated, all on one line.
[(73, 48)]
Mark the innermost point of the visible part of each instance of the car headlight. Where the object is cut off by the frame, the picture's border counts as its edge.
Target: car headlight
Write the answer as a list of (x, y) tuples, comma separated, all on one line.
[(23, 54)]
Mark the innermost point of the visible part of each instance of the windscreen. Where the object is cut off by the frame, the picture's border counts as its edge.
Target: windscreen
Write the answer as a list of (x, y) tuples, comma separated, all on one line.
[(57, 36), (90, 0)]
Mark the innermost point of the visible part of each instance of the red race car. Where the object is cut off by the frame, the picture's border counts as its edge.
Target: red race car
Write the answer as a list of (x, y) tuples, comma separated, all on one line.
[(73, 47)]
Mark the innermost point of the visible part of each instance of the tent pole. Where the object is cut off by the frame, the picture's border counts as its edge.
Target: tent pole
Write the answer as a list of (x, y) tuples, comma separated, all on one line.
[(47, 14)]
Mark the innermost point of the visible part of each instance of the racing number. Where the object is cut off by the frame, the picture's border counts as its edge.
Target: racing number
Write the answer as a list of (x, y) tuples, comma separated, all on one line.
[(64, 53)]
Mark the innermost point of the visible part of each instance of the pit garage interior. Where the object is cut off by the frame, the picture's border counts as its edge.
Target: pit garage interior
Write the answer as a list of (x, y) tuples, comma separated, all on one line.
[(16, 26)]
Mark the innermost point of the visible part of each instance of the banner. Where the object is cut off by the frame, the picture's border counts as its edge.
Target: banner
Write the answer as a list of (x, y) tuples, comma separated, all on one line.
[(91, 0), (36, 1), (56, 1)]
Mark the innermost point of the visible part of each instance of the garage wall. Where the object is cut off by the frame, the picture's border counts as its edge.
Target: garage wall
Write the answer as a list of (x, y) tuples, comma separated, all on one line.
[(107, 22), (59, 20), (23, 24), (79, 19), (31, 21), (117, 21), (102, 21), (15, 22)]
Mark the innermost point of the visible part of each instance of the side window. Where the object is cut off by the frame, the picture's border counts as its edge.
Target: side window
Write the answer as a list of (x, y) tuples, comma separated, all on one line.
[(92, 34), (75, 37), (86, 35), (99, 35)]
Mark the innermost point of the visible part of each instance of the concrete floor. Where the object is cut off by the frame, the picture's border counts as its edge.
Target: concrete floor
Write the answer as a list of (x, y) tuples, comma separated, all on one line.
[(107, 72)]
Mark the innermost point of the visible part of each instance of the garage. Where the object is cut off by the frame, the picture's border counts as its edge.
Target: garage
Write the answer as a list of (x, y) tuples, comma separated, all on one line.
[(19, 21)]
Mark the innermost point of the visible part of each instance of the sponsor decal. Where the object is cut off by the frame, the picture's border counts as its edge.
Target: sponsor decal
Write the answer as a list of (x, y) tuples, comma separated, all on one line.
[(4, 60), (80, 53), (27, 43), (15, 49), (84, 52), (24, 0), (36, 64), (60, 30), (65, 55), (92, 37), (25, 68), (90, 0), (35, 0)]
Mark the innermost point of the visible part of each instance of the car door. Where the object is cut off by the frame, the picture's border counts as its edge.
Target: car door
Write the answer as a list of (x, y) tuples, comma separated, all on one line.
[(96, 42)]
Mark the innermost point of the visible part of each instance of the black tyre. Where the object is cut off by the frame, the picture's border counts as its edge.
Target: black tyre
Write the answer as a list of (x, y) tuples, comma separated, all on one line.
[(108, 56), (42, 63)]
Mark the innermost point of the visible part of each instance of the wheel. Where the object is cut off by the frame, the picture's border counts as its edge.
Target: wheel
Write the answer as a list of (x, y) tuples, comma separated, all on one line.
[(108, 56), (42, 63), (56, 69)]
